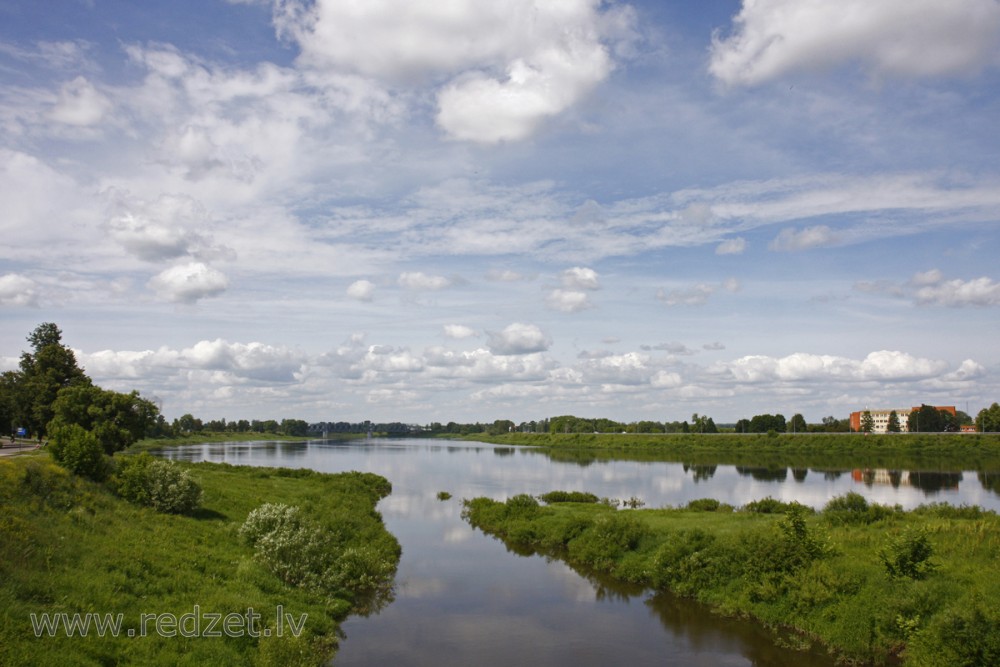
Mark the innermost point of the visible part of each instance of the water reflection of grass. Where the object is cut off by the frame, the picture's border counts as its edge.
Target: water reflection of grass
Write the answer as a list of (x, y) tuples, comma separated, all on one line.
[(870, 582), (69, 545)]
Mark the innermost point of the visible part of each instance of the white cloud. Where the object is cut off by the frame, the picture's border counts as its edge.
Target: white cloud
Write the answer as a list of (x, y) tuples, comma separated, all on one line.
[(930, 277), (163, 229), (895, 37), (80, 104), (17, 290), (362, 290), (883, 366), (187, 283), (956, 293), (790, 240), (508, 65), (518, 338), (580, 278), (568, 301), (417, 280), (731, 247), (458, 331)]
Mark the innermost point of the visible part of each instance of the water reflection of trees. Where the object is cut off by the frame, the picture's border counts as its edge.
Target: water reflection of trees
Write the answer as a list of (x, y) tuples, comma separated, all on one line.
[(763, 474), (700, 472), (799, 474)]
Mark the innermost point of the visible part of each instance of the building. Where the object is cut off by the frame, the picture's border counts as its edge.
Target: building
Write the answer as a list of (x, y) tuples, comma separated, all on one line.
[(880, 418)]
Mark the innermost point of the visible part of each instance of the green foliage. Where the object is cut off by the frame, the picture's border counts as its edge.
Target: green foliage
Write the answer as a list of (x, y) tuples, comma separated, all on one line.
[(68, 545), (853, 508), (769, 505), (893, 426), (443, 495), (80, 452), (988, 419), (156, 483), (117, 419), (867, 422), (709, 505), (607, 539), (908, 555), (967, 635), (568, 497)]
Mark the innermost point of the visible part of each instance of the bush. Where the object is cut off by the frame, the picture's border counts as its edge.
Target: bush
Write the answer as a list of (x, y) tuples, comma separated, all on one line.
[(709, 505), (610, 536), (156, 483), (853, 508), (771, 506), (292, 548), (908, 555), (79, 451)]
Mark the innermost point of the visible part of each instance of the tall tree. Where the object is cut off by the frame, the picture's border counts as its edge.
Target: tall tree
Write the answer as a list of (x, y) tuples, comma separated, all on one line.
[(798, 424), (988, 419), (867, 422), (893, 426), (43, 372)]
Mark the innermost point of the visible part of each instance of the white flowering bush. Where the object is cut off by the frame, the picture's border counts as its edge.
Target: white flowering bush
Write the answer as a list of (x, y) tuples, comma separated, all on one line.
[(293, 548)]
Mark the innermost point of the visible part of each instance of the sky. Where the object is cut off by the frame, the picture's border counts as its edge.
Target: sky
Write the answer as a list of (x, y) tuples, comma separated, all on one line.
[(418, 211)]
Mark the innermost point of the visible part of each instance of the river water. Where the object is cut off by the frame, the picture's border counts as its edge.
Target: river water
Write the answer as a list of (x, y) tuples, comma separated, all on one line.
[(463, 599)]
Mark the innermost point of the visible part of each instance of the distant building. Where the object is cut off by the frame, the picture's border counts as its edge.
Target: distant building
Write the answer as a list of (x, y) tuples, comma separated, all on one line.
[(880, 418)]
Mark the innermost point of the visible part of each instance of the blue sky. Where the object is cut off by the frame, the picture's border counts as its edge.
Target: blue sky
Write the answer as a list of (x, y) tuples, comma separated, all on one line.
[(426, 211)]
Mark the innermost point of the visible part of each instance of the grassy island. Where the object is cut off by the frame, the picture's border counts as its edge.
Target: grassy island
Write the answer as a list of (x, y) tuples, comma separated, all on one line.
[(207, 587), (873, 584)]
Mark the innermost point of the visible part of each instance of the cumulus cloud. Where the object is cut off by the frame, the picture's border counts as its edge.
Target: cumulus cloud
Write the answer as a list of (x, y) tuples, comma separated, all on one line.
[(790, 240), (362, 290), (458, 331), (580, 278), (18, 290), (911, 38), (80, 104), (187, 283), (883, 365), (417, 280), (518, 338), (162, 229), (568, 301), (731, 247), (957, 293), (930, 288), (506, 65)]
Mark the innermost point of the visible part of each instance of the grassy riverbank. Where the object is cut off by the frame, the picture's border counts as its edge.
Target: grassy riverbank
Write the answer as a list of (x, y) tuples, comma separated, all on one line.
[(208, 437), (968, 451), (871, 583), (70, 546)]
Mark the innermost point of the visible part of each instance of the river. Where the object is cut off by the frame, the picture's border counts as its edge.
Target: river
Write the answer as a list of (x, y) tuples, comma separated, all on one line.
[(462, 598)]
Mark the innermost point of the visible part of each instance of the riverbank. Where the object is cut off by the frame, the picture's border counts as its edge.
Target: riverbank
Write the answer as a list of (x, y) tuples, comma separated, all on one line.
[(187, 588), (954, 451), (203, 438), (871, 583)]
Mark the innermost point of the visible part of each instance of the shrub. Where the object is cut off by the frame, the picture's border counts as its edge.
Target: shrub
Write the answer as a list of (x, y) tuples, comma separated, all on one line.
[(610, 536), (770, 505), (289, 546), (853, 508), (964, 636), (908, 555), (79, 451), (709, 505), (156, 483)]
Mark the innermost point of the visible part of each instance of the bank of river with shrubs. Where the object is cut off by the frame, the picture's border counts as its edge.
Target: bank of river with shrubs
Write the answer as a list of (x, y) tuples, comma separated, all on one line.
[(170, 563), (872, 584)]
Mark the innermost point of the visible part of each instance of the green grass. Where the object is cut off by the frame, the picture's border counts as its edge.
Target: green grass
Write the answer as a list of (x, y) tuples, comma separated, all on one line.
[(69, 545), (928, 451), (812, 577)]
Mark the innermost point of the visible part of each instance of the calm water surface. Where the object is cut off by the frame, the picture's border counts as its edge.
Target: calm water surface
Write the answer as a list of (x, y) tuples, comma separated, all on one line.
[(462, 598)]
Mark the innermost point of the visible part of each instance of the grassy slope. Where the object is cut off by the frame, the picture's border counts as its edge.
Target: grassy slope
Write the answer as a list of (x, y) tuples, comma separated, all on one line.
[(745, 564), (68, 545)]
